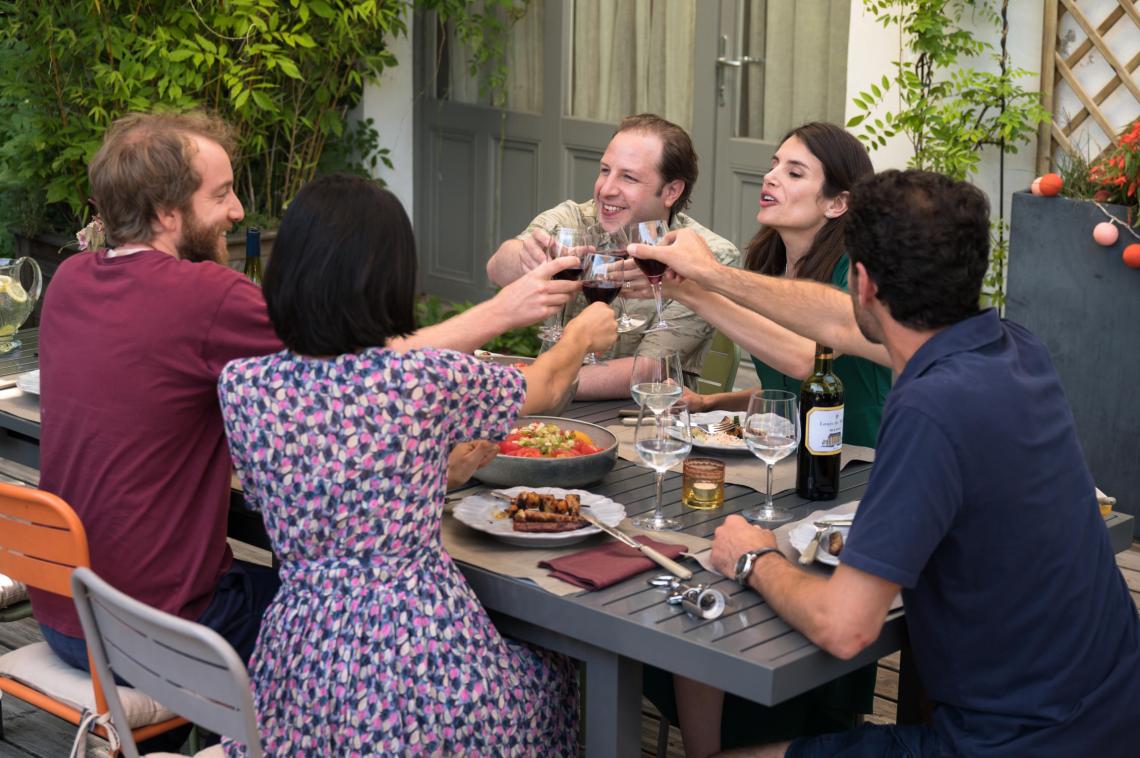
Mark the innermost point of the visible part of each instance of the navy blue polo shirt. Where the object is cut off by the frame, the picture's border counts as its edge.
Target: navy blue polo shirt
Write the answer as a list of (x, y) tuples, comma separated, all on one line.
[(981, 507)]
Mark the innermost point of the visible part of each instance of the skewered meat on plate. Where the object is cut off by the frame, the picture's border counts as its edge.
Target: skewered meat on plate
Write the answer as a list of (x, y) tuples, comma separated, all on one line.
[(536, 512)]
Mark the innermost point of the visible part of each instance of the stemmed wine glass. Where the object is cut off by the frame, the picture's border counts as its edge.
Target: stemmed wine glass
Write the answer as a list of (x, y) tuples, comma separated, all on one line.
[(771, 431), (602, 277), (565, 240), (661, 445), (656, 381), (650, 233), (616, 243)]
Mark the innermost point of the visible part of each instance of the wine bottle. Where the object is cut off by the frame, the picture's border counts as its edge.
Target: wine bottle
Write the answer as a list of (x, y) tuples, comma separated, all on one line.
[(253, 255), (821, 419)]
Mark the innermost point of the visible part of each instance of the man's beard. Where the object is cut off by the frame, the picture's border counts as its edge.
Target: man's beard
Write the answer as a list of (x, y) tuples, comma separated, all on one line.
[(868, 325), (199, 242)]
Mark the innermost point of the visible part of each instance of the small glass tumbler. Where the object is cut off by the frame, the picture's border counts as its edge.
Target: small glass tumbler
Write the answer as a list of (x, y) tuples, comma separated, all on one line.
[(702, 484)]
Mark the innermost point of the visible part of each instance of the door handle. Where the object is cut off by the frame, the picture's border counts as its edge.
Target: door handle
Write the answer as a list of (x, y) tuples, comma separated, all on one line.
[(738, 62)]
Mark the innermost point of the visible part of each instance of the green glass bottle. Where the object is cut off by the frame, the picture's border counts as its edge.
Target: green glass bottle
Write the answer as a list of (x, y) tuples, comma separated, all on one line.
[(821, 422), (253, 255)]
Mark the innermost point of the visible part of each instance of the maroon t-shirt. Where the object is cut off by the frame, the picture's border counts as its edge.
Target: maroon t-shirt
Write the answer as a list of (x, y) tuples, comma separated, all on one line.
[(130, 352)]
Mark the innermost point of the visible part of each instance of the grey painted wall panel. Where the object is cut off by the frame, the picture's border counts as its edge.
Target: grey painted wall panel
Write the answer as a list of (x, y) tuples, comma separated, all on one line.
[(518, 183), (1083, 302), (582, 170), (453, 197)]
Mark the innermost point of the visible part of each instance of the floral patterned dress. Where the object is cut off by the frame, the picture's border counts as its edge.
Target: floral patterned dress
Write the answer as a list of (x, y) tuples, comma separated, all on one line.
[(375, 644)]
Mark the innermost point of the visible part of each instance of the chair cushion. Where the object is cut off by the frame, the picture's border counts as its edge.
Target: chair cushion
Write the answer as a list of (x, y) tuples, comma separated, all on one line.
[(38, 667), (11, 591)]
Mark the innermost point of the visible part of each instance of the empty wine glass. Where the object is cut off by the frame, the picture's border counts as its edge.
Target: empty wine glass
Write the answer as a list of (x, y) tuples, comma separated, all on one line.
[(771, 431), (650, 233), (661, 445), (602, 277), (565, 241), (656, 381)]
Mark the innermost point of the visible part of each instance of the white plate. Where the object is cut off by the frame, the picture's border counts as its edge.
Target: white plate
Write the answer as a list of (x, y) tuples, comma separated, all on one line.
[(478, 512), (711, 417), (800, 535), (29, 382)]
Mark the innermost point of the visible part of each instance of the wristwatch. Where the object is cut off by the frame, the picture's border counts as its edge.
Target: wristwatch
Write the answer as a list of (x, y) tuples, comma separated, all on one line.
[(745, 563)]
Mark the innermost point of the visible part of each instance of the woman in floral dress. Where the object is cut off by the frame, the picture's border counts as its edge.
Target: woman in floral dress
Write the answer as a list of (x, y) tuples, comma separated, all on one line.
[(375, 644)]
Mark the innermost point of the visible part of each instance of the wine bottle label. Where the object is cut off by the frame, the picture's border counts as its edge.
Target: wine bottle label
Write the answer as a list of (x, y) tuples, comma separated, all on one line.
[(823, 430)]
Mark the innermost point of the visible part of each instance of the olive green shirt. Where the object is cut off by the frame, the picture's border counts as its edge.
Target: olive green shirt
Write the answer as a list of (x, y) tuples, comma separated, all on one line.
[(690, 335), (865, 384)]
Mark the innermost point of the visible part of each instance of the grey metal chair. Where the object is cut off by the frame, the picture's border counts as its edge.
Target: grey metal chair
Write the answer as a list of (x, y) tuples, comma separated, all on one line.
[(187, 667)]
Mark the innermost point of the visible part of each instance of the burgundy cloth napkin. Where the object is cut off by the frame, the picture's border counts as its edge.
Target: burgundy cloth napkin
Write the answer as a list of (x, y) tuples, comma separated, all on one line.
[(599, 567)]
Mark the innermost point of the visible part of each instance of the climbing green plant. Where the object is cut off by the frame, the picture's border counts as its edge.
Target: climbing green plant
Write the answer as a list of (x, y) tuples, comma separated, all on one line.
[(947, 109)]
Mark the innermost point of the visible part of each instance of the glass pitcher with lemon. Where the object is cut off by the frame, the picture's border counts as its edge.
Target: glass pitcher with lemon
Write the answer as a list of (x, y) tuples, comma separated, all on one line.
[(16, 300)]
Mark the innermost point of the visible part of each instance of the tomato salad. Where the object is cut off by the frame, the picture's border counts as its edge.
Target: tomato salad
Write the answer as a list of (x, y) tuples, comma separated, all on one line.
[(539, 440)]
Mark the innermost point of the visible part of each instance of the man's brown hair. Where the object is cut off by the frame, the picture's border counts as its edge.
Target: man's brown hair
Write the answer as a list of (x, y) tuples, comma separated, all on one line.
[(678, 158), (144, 166)]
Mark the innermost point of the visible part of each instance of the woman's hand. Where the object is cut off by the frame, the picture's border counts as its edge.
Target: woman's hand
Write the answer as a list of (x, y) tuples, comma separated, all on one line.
[(468, 457), (698, 403), (596, 324)]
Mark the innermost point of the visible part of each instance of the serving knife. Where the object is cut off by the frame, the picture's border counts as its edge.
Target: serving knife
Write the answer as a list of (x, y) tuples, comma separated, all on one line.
[(661, 560)]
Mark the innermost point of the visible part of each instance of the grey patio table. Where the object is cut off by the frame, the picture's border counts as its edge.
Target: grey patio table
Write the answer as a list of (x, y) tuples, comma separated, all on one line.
[(749, 651)]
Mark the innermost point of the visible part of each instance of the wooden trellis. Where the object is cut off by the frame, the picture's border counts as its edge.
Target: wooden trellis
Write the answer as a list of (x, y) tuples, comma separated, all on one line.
[(1057, 75)]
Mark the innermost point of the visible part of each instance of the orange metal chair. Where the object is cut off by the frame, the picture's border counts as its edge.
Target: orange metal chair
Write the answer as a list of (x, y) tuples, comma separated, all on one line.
[(41, 542)]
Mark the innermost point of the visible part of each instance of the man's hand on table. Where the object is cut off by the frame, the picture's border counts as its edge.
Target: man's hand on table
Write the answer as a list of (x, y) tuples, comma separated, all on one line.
[(734, 538)]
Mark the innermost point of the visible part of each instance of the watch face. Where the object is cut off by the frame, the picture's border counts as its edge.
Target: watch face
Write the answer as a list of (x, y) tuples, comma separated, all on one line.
[(741, 566)]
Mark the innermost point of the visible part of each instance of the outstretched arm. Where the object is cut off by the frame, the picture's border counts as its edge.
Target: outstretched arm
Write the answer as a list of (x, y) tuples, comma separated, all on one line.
[(816, 311), (525, 301)]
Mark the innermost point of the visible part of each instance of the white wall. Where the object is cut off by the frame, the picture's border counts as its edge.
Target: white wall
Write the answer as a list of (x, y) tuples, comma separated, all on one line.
[(390, 103), (872, 50)]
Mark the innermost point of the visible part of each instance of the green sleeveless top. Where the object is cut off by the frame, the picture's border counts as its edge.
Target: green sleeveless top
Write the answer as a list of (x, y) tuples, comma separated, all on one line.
[(865, 383)]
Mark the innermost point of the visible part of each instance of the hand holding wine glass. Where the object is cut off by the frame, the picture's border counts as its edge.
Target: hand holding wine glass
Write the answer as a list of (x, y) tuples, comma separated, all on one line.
[(651, 233), (565, 241), (601, 282), (660, 446), (772, 432)]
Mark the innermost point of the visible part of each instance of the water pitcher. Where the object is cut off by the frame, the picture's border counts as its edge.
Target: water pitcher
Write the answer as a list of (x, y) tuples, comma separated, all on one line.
[(20, 285)]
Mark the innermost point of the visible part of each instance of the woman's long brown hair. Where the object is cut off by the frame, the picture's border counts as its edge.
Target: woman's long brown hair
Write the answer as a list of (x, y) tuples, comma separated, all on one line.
[(845, 161)]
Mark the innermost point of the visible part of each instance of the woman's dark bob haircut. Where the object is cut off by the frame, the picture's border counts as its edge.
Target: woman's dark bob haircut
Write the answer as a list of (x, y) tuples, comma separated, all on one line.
[(343, 273)]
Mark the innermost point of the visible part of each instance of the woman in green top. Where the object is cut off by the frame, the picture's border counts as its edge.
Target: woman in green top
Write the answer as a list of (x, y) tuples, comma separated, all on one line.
[(803, 206)]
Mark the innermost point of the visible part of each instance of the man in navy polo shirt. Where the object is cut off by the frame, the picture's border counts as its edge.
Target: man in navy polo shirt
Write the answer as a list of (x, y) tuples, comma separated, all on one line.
[(980, 508)]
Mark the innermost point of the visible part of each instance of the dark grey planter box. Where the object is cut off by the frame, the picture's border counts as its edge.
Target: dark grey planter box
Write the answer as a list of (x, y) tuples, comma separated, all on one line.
[(1084, 303)]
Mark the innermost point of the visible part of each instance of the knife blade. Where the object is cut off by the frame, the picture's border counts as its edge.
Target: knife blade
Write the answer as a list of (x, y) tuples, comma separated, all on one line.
[(654, 555)]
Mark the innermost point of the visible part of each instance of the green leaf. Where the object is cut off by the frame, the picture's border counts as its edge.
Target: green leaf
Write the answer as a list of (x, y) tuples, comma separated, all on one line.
[(855, 120), (289, 68)]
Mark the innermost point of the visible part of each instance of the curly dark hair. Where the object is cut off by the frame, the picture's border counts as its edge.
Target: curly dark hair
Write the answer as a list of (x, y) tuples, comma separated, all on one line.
[(925, 241), (845, 161)]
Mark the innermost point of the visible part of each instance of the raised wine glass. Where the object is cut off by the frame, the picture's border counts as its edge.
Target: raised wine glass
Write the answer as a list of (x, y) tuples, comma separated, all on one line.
[(565, 241), (602, 277), (771, 431), (615, 243), (650, 233), (656, 381), (661, 445)]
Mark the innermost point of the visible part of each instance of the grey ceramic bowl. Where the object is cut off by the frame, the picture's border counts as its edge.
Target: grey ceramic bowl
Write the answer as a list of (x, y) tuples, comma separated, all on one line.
[(510, 471), (510, 360)]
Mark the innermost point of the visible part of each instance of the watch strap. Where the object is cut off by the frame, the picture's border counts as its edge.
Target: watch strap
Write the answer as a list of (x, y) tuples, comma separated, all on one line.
[(750, 563)]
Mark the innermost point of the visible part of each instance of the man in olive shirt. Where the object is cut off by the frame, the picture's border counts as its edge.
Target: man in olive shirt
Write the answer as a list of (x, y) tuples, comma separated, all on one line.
[(647, 172)]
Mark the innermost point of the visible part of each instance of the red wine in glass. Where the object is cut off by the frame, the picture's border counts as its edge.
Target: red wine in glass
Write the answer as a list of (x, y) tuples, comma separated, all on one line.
[(601, 291), (653, 270), (570, 274)]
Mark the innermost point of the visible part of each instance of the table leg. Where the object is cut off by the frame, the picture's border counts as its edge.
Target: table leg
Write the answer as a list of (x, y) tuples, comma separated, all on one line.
[(612, 688)]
